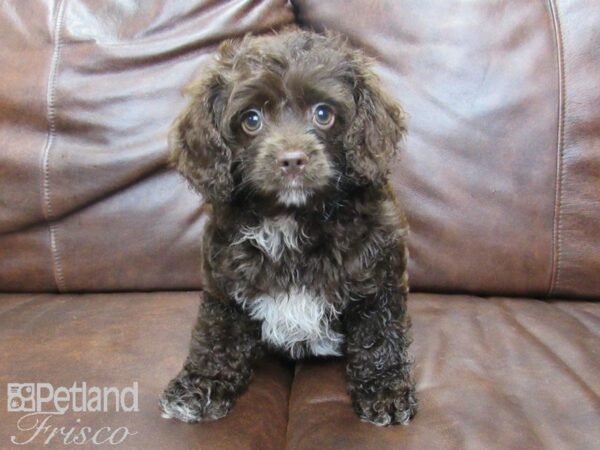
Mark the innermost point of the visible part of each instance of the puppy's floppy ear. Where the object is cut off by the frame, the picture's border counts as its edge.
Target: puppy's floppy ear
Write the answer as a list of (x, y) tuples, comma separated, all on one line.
[(196, 141), (375, 131)]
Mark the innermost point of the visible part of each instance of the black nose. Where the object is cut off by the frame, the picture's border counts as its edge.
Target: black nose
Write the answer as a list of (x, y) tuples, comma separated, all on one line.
[(292, 163)]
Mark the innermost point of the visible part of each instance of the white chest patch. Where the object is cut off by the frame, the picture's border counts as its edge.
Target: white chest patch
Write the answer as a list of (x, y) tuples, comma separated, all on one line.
[(297, 322), (272, 236)]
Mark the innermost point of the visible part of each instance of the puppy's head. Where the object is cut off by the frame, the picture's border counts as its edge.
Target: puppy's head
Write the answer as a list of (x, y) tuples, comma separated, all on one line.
[(287, 117)]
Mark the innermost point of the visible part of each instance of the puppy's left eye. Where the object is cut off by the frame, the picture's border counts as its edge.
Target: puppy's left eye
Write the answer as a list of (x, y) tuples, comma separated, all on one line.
[(323, 116), (252, 121)]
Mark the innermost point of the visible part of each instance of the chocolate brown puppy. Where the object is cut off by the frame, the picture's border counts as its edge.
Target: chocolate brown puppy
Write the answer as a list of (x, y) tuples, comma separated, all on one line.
[(289, 137)]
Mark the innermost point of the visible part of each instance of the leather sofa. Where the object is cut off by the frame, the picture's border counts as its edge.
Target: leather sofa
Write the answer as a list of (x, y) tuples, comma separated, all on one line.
[(500, 178)]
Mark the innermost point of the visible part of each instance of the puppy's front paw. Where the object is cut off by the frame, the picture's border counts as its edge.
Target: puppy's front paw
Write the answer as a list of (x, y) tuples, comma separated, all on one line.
[(191, 398), (387, 407)]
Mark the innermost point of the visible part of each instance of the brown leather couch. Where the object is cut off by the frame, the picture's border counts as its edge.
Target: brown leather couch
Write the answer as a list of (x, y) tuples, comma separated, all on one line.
[(500, 177)]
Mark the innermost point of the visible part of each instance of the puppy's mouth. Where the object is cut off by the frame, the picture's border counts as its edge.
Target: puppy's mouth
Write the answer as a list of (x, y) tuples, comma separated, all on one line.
[(294, 196), (295, 182)]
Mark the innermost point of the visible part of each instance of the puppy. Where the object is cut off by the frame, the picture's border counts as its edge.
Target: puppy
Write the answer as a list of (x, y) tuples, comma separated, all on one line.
[(289, 138)]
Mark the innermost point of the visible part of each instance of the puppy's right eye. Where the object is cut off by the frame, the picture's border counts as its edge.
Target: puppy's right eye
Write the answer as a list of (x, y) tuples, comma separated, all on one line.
[(323, 116), (252, 121)]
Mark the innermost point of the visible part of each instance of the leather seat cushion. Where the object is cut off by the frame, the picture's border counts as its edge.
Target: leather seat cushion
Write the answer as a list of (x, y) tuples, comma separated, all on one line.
[(491, 373), (113, 340)]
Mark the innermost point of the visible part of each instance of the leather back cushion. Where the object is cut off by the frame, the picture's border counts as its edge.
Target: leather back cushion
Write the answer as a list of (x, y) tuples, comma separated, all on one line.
[(499, 175), (88, 92)]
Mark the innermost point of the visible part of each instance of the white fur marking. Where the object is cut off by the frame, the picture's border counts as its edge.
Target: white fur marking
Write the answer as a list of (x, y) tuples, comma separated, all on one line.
[(181, 412), (292, 319), (272, 236), (293, 197)]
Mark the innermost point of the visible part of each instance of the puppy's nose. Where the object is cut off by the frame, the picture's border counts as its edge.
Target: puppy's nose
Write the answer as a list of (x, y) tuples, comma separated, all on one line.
[(292, 163)]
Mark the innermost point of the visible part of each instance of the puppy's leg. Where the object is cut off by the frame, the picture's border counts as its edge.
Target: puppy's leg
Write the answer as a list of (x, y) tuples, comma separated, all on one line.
[(378, 367), (224, 344)]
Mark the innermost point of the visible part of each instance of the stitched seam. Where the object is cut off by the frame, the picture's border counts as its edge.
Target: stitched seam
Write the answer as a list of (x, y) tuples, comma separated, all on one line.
[(46, 191), (557, 231)]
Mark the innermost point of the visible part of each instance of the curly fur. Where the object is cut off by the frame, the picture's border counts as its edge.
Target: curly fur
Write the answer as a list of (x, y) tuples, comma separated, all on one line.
[(309, 267)]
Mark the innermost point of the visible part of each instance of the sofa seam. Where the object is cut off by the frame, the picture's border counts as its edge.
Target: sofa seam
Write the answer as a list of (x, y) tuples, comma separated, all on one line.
[(557, 234), (57, 267)]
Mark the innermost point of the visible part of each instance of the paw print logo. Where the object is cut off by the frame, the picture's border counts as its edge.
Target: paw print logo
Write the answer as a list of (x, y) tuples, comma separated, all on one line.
[(20, 397)]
